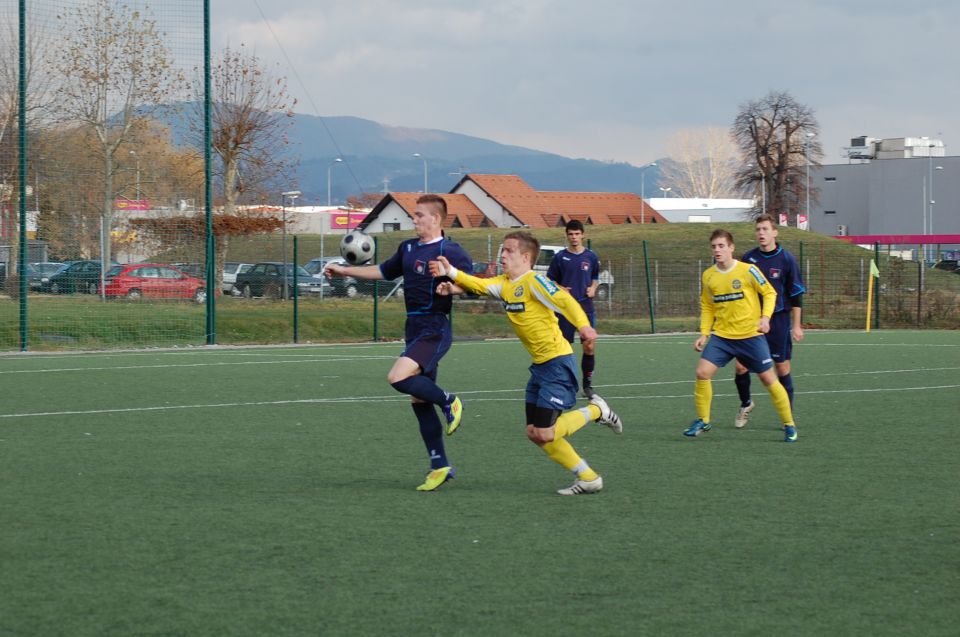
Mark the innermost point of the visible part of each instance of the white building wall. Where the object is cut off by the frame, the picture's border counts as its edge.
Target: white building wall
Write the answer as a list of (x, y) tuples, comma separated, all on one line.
[(392, 213), (487, 205)]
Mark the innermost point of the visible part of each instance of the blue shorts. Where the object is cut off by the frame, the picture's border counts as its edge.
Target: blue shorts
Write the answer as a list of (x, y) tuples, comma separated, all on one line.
[(428, 337), (553, 384), (567, 328), (753, 352), (779, 338)]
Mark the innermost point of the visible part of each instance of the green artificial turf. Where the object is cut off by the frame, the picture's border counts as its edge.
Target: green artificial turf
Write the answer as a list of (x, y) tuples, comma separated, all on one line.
[(270, 491)]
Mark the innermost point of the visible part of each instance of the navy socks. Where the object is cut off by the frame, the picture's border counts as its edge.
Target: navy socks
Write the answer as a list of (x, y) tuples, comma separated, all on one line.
[(419, 386), (742, 382), (432, 433)]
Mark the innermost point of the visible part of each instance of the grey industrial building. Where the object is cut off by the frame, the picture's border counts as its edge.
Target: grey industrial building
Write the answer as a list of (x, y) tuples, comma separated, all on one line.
[(902, 186)]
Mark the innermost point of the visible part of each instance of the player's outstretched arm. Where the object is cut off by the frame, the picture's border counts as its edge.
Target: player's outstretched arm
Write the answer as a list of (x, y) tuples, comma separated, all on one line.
[(368, 272), (446, 288), (588, 334)]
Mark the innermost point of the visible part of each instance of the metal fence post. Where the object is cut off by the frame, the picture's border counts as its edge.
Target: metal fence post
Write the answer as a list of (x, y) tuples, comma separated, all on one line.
[(876, 297), (296, 290), (376, 294), (646, 269)]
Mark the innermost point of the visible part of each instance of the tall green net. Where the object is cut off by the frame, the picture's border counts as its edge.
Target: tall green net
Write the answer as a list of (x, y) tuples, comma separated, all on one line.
[(114, 173)]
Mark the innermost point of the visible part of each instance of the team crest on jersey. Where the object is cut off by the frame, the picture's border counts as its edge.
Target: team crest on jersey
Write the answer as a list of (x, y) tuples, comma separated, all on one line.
[(419, 267), (736, 284), (774, 273), (584, 266), (547, 284), (518, 292)]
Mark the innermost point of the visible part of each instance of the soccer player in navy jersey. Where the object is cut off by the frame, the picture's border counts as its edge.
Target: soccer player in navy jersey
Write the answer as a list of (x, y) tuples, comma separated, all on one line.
[(577, 269), (531, 301), (736, 303), (427, 332), (783, 273)]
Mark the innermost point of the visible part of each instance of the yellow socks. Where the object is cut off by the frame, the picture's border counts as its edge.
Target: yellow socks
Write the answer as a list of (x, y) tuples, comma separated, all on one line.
[(561, 451), (702, 397), (781, 400), (571, 422)]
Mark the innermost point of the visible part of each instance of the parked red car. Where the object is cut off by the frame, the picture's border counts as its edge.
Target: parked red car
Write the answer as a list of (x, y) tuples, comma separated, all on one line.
[(152, 280)]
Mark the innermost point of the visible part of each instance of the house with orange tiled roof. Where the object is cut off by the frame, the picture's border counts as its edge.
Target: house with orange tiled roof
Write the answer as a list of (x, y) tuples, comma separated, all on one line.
[(395, 212), (507, 201)]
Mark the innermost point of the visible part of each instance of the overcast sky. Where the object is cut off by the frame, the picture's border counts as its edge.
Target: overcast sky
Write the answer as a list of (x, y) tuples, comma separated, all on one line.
[(611, 79)]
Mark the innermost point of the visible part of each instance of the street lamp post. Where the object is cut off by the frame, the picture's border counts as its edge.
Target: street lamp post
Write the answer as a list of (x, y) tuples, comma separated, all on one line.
[(137, 158), (332, 164), (643, 184), (665, 191), (425, 172), (292, 196), (806, 161)]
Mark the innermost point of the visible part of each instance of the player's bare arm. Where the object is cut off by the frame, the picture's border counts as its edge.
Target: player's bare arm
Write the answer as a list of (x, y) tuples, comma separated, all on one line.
[(587, 334), (764, 325), (441, 267), (367, 272), (446, 288)]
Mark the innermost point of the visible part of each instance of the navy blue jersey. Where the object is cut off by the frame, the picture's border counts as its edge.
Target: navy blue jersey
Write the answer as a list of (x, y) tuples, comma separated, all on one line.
[(419, 288), (576, 272), (782, 272)]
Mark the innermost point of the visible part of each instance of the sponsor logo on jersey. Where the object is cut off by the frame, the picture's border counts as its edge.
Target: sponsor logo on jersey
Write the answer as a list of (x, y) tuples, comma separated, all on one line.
[(737, 284), (515, 307), (756, 274), (723, 298), (547, 284), (774, 273), (419, 267)]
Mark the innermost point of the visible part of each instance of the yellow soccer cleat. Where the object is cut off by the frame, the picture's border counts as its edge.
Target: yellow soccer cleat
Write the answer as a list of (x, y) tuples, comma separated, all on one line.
[(437, 477), (453, 412)]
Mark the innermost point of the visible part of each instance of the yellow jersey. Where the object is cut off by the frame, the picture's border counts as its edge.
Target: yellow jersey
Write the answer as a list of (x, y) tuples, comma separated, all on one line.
[(730, 301), (531, 301)]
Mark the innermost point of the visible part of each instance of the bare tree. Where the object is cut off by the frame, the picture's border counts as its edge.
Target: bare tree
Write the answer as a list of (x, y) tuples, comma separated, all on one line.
[(114, 64), (39, 84), (776, 136), (251, 113), (700, 163)]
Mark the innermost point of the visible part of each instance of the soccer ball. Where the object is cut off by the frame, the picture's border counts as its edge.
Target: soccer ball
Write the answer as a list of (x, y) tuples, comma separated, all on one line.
[(356, 247)]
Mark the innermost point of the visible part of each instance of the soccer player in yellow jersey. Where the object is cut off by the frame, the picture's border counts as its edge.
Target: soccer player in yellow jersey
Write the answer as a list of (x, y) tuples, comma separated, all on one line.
[(532, 302), (732, 325)]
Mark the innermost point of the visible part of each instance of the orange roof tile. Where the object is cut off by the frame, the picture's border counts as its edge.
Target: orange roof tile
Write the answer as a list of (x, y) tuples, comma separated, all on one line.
[(541, 209)]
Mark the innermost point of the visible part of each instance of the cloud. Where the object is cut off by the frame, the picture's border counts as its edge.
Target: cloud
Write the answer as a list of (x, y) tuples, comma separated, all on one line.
[(610, 79)]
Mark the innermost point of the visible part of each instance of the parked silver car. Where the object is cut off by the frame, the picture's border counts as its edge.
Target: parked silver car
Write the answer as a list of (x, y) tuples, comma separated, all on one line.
[(230, 271)]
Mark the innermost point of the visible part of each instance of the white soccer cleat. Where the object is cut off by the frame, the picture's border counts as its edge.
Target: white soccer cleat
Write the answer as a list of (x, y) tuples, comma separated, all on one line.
[(608, 417), (583, 487), (743, 416)]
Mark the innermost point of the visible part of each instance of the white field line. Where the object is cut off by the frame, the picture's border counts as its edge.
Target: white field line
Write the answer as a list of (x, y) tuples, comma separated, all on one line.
[(298, 361), (475, 396)]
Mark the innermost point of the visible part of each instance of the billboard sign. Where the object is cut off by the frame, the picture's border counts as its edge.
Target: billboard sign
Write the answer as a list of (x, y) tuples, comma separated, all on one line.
[(345, 219), (131, 204)]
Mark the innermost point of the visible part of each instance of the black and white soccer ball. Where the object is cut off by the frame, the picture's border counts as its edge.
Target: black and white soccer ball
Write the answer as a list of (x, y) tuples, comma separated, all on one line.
[(356, 247)]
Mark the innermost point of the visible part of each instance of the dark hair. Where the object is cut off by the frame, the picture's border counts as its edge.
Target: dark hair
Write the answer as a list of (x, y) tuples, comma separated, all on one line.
[(765, 217), (436, 200), (720, 232), (574, 224), (528, 243)]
